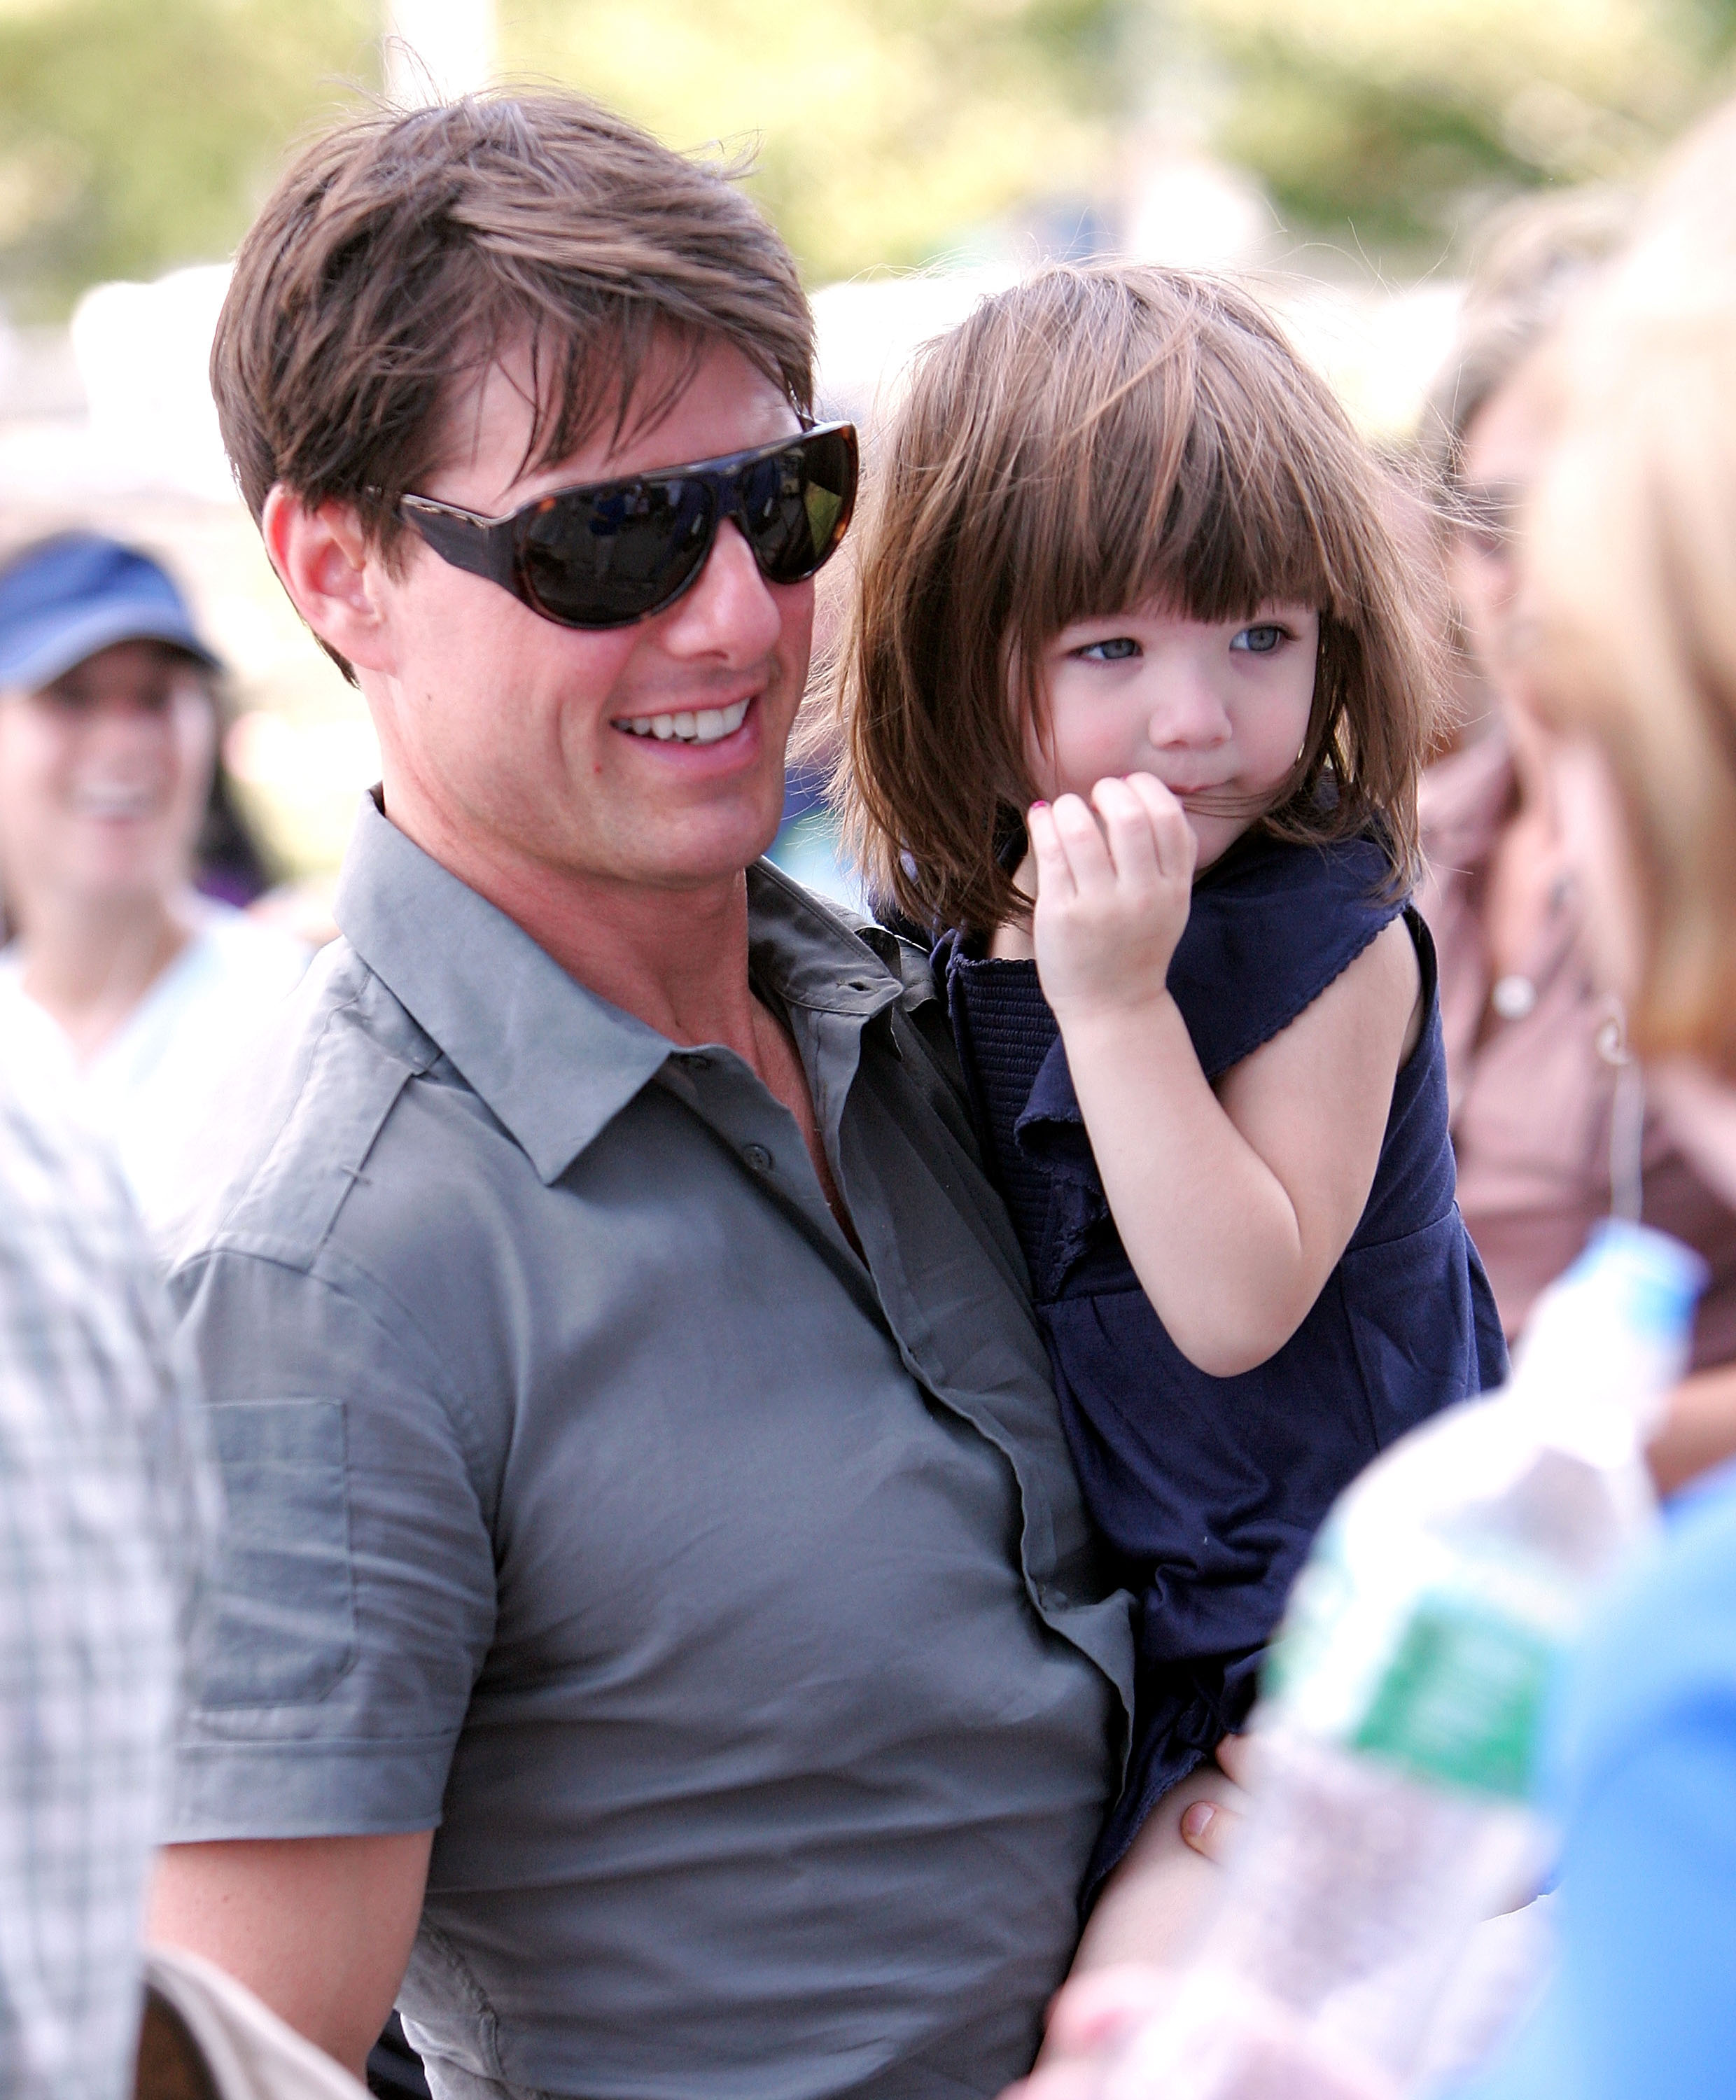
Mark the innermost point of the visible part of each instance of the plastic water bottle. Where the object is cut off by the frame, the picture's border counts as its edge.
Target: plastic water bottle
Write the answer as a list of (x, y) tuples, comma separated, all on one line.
[(1394, 1742)]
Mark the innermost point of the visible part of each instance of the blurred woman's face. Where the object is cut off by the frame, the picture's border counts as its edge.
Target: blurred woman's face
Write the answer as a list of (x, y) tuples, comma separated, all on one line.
[(104, 777), (1505, 446)]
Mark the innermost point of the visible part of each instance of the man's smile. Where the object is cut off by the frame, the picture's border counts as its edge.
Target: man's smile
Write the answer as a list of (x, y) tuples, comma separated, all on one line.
[(696, 726)]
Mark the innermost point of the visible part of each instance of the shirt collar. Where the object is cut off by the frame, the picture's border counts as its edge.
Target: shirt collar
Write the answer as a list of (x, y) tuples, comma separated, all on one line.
[(815, 955), (554, 1063)]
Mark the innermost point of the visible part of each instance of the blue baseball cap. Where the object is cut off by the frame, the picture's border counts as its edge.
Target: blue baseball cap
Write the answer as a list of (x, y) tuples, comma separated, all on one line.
[(65, 599)]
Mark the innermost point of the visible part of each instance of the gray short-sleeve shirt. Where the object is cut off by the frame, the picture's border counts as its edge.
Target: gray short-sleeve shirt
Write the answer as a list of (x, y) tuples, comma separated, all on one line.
[(727, 1602)]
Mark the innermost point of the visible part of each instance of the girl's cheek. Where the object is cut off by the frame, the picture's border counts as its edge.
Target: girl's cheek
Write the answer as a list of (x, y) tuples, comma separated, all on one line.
[(1055, 758)]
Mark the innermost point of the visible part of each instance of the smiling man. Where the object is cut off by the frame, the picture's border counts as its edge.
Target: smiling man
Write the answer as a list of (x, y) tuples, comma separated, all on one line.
[(658, 1614)]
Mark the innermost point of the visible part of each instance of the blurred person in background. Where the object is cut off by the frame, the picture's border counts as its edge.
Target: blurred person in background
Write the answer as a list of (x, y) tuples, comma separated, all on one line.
[(107, 1518), (1630, 611), (104, 1512), (1551, 1127), (121, 974)]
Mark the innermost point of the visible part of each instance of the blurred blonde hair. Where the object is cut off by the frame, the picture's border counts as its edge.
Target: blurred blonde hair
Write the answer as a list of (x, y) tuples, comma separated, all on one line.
[(1634, 582), (1537, 255)]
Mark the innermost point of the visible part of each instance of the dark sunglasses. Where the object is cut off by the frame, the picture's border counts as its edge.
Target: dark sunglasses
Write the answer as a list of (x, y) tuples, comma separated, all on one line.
[(613, 552)]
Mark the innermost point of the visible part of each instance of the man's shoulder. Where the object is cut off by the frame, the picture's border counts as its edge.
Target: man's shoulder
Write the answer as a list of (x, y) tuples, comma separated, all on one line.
[(284, 1135)]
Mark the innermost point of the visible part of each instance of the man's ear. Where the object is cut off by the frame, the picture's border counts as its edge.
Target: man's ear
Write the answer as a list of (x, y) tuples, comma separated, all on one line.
[(332, 573)]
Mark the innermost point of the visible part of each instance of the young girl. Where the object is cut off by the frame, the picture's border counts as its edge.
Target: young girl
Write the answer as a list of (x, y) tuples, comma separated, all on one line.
[(1135, 640)]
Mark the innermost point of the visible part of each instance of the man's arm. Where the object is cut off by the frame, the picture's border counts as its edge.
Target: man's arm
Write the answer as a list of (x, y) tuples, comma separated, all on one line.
[(344, 1624), (318, 1928)]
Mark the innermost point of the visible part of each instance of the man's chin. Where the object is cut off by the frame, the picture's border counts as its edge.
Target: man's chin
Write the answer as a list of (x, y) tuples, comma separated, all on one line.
[(695, 856)]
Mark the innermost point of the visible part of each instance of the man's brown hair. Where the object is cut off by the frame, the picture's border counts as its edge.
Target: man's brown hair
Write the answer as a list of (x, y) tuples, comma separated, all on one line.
[(1097, 438), (401, 253)]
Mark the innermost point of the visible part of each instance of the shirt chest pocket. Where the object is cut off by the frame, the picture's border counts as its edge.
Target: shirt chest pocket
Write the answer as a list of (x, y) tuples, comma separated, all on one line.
[(279, 1625)]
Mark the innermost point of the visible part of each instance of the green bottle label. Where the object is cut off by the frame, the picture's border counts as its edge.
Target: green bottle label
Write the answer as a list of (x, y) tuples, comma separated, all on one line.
[(1461, 1698)]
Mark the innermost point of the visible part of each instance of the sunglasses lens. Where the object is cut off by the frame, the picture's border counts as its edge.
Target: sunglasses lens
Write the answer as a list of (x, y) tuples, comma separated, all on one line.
[(608, 557), (795, 505), (603, 561)]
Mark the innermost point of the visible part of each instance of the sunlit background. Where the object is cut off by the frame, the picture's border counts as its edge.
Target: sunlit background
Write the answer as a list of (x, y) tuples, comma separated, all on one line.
[(1345, 153)]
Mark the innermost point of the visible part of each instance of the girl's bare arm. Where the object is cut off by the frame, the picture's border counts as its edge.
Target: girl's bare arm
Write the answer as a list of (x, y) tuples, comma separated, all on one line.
[(1234, 1206)]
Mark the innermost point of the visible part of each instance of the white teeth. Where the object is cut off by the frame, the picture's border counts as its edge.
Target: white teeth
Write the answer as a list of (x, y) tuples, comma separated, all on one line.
[(704, 726)]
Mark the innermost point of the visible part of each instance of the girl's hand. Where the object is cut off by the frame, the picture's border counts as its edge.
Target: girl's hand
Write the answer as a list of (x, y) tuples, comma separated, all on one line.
[(1113, 891)]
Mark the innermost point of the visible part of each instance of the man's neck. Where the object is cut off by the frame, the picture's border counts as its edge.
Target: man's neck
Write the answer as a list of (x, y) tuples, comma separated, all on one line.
[(675, 958)]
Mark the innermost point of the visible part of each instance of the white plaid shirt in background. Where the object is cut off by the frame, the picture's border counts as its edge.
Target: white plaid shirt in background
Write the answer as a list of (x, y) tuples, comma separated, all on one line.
[(103, 1511)]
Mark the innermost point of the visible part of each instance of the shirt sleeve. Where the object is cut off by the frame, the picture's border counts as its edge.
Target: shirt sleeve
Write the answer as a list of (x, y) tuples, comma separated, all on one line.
[(354, 1600)]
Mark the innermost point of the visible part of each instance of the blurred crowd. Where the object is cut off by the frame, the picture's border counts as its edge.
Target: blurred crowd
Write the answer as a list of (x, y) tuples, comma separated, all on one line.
[(1573, 476)]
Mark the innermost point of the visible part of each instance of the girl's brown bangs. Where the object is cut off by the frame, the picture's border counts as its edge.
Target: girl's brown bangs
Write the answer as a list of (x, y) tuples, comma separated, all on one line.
[(1212, 534), (1217, 562)]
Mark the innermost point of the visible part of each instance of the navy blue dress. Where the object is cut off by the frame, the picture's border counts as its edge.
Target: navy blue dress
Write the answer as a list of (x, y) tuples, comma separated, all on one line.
[(1209, 1490)]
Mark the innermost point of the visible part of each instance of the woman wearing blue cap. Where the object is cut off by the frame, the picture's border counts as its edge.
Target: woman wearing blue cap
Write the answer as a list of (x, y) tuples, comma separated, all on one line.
[(138, 989)]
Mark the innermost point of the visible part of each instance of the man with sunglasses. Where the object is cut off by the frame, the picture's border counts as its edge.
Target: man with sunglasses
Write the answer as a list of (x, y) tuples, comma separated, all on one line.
[(658, 1613)]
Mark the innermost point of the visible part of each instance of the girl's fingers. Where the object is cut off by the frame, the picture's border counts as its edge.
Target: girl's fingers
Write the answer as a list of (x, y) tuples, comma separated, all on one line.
[(1127, 825), (1210, 1827), (1233, 1754), (1083, 841), (1170, 832), (1054, 870)]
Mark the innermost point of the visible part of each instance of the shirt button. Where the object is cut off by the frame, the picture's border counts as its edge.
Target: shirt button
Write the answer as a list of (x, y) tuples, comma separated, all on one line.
[(757, 1157)]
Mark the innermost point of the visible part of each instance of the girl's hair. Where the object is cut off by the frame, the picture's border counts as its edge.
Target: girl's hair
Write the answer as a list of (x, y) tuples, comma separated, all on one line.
[(1097, 438)]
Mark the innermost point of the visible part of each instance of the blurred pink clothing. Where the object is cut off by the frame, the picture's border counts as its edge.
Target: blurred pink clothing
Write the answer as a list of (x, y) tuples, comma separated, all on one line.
[(1532, 1098)]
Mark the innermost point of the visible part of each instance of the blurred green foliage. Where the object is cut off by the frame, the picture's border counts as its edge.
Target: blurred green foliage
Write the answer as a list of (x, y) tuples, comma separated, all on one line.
[(135, 135), (1403, 120), (886, 130)]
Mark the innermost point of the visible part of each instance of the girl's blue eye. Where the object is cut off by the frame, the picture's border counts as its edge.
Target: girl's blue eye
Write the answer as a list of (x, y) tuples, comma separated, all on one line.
[(1259, 641), (1115, 651)]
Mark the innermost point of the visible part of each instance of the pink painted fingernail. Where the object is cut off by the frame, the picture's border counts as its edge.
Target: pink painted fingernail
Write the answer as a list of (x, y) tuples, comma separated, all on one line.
[(1040, 806)]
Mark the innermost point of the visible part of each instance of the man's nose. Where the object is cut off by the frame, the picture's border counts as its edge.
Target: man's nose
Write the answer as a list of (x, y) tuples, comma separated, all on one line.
[(730, 611)]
